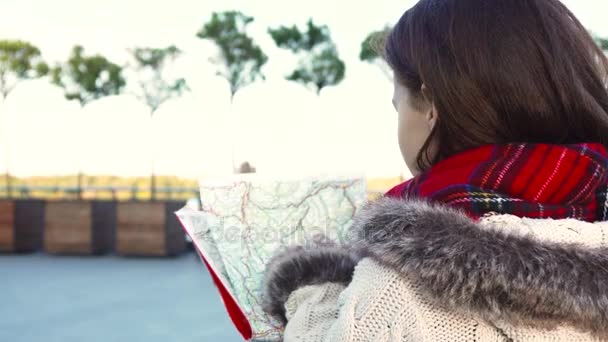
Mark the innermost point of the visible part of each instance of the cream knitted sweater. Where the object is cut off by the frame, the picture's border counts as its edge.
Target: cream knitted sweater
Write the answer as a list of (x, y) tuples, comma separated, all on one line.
[(429, 273)]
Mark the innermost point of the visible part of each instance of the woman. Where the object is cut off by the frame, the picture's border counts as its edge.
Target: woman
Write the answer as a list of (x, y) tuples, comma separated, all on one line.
[(503, 120)]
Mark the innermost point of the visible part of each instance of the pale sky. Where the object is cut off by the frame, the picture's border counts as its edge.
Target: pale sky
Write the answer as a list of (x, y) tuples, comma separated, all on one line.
[(277, 125)]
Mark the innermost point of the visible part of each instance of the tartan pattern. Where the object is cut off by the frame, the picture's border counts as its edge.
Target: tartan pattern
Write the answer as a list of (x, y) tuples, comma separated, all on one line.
[(526, 180)]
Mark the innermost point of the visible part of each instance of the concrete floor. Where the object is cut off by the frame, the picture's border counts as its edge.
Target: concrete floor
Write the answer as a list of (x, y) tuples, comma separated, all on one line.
[(62, 299)]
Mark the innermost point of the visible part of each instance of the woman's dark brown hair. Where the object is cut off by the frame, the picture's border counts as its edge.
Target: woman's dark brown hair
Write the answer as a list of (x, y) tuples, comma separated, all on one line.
[(501, 71)]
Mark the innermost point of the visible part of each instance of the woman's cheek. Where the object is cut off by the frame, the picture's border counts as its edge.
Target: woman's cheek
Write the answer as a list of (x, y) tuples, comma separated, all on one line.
[(408, 151)]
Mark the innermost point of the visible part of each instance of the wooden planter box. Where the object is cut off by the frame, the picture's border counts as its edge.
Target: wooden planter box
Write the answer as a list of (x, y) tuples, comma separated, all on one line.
[(21, 223), (79, 227), (149, 229)]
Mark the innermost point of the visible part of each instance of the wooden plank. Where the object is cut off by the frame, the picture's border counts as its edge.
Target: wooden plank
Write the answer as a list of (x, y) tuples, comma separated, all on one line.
[(140, 212), (61, 242), (7, 238), (69, 233), (141, 229), (68, 212), (149, 229), (7, 211), (140, 240), (154, 229), (68, 228), (140, 233), (67, 248)]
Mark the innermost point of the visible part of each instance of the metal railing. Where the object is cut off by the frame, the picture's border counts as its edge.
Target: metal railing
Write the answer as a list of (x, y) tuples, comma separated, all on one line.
[(26, 191)]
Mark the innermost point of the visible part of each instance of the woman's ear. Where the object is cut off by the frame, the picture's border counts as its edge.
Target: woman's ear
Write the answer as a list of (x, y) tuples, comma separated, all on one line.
[(431, 116), (431, 110)]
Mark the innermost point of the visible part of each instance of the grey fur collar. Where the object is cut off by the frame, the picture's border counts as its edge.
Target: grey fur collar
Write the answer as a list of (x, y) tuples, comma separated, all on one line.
[(468, 267), (296, 266)]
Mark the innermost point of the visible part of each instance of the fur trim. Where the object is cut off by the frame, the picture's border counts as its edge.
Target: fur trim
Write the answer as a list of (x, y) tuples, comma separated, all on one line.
[(469, 267), (299, 266)]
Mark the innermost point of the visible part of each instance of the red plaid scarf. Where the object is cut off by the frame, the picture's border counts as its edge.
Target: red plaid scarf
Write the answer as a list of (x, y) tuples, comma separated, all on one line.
[(526, 180)]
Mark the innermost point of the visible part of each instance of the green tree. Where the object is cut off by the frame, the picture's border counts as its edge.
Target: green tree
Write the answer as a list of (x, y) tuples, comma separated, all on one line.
[(242, 59), (19, 61), (87, 78), (319, 64), (370, 48), (156, 85)]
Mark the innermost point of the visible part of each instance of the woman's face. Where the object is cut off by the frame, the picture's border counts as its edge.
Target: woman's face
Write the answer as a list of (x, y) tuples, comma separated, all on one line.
[(415, 124)]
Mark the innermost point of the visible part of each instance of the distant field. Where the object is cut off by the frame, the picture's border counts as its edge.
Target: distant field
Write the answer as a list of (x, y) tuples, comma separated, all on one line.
[(132, 187)]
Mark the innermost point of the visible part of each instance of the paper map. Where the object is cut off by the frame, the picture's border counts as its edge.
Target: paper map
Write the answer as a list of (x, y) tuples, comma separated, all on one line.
[(243, 223)]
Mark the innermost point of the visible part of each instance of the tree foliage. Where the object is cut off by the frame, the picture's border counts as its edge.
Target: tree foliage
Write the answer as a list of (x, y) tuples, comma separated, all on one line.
[(319, 64), (156, 85), (242, 59), (371, 48), (87, 78), (372, 44), (19, 61)]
